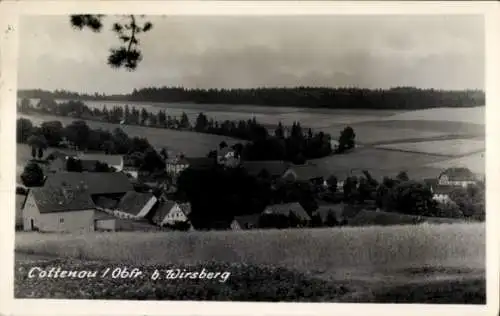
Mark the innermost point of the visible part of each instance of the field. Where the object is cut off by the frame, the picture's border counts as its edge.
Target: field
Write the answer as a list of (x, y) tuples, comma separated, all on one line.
[(352, 263), (190, 143), (453, 147), (475, 162)]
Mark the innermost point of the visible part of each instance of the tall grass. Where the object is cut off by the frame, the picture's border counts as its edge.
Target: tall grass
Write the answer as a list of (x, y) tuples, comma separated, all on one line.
[(373, 248)]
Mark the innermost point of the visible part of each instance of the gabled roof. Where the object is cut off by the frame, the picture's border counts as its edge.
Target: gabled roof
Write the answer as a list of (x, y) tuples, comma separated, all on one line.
[(97, 183), (459, 174), (111, 160), (133, 202), (185, 208), (275, 168), (287, 208), (248, 221), (51, 199), (163, 210), (307, 172)]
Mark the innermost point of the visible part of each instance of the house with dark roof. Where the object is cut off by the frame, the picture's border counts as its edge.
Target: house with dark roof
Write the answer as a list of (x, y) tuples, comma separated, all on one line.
[(135, 205), (111, 184), (272, 168), (58, 209), (171, 212), (246, 222), (457, 177), (115, 161), (304, 173)]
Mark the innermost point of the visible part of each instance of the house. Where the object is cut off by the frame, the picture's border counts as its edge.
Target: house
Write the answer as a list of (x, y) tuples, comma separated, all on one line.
[(115, 161), (20, 199), (171, 212), (110, 184), (289, 210), (304, 173), (135, 205), (246, 222), (457, 177), (275, 169), (58, 209), (175, 166)]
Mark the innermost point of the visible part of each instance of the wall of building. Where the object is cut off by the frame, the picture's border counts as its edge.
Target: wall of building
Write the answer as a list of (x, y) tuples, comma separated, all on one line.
[(175, 215), (105, 224), (71, 221)]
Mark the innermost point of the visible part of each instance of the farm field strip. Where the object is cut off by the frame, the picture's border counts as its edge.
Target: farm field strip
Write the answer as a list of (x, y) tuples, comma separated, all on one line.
[(475, 115), (451, 147)]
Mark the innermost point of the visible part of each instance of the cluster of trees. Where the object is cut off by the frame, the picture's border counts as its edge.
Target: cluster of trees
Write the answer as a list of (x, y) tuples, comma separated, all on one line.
[(314, 97)]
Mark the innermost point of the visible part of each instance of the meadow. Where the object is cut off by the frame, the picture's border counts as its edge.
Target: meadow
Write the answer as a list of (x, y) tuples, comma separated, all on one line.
[(350, 263), (452, 147)]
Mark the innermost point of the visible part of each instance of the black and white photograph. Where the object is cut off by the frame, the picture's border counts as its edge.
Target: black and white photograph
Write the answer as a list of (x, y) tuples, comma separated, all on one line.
[(329, 158)]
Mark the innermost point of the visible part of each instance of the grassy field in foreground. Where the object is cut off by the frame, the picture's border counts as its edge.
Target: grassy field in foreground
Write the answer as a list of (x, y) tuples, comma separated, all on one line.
[(431, 263), (327, 251)]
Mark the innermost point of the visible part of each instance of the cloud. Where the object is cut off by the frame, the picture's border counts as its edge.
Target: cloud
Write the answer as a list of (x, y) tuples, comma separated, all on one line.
[(195, 51)]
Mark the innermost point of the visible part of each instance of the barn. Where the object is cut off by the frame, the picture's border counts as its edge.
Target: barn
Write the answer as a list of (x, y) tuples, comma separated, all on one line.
[(58, 209)]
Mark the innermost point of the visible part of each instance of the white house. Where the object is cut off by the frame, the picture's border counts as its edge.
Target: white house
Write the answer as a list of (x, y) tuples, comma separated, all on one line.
[(58, 209), (462, 177), (171, 212)]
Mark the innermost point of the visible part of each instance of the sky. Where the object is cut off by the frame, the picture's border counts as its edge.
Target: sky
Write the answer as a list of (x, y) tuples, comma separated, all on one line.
[(434, 51)]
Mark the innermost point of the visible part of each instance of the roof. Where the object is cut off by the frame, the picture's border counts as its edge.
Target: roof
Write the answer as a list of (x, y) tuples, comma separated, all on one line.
[(459, 174), (162, 210), (111, 160), (307, 172), (104, 202), (51, 199), (185, 208), (97, 183), (247, 221), (100, 215), (287, 208), (275, 167), (133, 202), (89, 165)]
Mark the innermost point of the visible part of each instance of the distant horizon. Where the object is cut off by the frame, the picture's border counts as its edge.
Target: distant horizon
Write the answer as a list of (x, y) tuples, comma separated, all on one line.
[(255, 88)]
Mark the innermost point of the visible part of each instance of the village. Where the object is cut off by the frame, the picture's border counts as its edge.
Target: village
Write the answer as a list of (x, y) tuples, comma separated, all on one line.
[(128, 198)]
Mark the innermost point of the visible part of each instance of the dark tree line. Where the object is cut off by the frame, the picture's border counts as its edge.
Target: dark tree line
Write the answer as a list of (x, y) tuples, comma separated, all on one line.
[(311, 97)]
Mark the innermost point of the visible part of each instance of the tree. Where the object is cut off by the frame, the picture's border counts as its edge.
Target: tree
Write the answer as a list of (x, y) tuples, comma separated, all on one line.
[(201, 123), (448, 209), (24, 129), (53, 132), (38, 144), (78, 133), (32, 175), (332, 183), (184, 121), (73, 165), (346, 139), (126, 55), (402, 176), (411, 197)]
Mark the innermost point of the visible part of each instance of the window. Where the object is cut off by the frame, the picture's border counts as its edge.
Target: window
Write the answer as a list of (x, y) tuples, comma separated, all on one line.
[(61, 220)]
